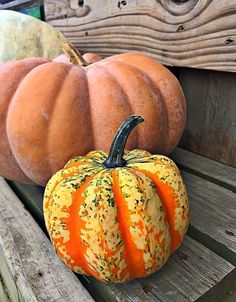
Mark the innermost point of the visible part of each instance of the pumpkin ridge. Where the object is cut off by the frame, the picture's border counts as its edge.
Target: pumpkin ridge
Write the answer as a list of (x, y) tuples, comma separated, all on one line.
[(79, 260), (131, 252), (157, 250), (51, 117), (89, 104), (11, 97), (122, 102), (135, 69), (62, 176), (46, 158), (148, 61), (168, 205)]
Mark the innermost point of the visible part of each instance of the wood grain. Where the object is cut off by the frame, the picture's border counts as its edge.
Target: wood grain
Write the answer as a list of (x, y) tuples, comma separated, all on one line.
[(29, 267), (211, 114), (208, 169), (213, 212), (224, 291), (196, 33)]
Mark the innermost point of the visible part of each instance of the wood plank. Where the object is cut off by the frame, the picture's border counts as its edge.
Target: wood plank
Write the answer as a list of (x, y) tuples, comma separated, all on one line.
[(192, 33), (29, 258), (32, 196), (8, 283), (206, 168), (211, 111), (224, 291), (212, 215)]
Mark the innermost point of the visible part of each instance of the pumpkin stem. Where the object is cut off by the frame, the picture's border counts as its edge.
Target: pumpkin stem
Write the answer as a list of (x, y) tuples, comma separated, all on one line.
[(74, 55), (115, 157)]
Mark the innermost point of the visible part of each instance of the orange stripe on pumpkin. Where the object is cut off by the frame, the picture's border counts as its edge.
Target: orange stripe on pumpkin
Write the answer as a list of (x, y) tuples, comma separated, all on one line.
[(132, 255), (75, 247), (168, 198)]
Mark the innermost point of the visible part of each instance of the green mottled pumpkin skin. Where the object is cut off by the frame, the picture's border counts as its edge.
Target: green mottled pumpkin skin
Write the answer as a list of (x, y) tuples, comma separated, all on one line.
[(23, 36)]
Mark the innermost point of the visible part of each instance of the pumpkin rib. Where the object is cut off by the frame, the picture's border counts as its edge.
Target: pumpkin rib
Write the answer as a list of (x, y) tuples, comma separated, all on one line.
[(110, 99), (23, 68), (124, 92), (28, 96), (131, 252), (158, 258), (150, 99), (55, 183), (89, 108), (164, 80), (72, 227), (48, 130), (168, 203)]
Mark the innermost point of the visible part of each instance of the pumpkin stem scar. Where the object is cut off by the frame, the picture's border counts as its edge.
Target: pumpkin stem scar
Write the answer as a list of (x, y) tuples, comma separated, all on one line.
[(115, 157), (74, 55)]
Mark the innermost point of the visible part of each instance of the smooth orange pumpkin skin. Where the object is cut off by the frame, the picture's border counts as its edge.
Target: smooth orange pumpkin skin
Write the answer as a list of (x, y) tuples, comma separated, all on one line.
[(54, 111)]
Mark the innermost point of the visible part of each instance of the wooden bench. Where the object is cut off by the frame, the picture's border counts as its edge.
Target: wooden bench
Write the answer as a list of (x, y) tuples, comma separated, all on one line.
[(200, 34), (202, 269)]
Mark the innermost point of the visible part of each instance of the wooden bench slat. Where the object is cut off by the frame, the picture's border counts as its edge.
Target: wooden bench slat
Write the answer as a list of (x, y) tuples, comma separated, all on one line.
[(213, 212), (29, 257), (206, 168), (224, 291)]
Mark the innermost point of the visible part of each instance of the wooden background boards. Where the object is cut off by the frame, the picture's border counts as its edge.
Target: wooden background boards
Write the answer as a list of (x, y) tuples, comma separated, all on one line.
[(193, 33)]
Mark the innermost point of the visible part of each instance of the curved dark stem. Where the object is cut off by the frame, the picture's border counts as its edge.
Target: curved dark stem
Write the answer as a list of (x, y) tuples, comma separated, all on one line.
[(115, 157)]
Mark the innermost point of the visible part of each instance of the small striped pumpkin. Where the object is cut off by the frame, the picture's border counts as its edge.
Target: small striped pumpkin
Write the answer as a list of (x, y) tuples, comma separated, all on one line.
[(117, 217)]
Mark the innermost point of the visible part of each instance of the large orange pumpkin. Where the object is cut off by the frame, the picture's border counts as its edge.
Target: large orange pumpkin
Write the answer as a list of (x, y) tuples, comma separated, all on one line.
[(53, 111), (117, 217)]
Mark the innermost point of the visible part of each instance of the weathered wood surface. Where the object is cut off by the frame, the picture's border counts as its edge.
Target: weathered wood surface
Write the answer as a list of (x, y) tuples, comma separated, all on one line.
[(205, 168), (196, 33), (213, 213), (211, 113), (30, 271), (224, 291)]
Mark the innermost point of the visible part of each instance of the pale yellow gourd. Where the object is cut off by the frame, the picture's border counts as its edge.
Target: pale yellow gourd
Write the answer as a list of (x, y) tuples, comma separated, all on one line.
[(23, 36)]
